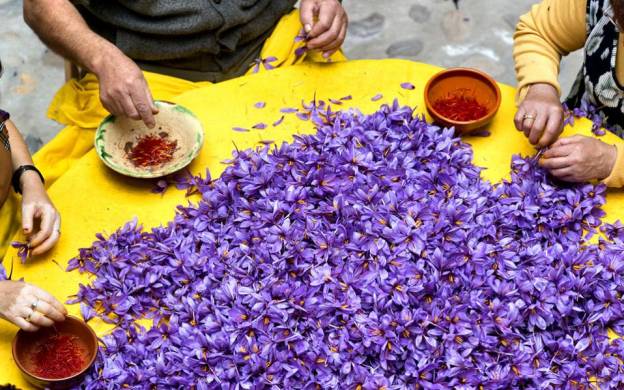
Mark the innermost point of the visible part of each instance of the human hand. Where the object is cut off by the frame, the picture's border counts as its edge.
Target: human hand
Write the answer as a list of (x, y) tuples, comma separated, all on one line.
[(325, 22), (123, 89), (37, 206), (29, 307), (579, 159), (540, 115)]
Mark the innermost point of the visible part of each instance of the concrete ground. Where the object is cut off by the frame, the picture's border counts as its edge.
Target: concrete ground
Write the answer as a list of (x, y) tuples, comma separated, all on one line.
[(478, 34)]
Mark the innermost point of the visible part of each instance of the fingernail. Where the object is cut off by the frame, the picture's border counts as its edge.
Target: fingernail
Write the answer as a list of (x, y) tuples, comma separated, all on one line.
[(307, 28), (326, 54)]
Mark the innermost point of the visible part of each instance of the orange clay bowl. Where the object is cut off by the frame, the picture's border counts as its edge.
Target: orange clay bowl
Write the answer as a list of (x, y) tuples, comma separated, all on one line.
[(481, 86), (25, 343)]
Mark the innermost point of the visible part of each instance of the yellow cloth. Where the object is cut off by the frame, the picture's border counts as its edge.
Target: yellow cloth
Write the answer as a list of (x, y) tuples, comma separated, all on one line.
[(94, 199), (77, 105), (552, 29)]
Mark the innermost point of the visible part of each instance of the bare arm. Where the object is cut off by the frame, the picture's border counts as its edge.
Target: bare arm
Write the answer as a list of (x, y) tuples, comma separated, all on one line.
[(123, 89), (60, 26), (36, 205)]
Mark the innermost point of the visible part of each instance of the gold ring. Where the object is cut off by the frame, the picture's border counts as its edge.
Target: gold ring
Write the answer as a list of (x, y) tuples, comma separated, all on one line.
[(531, 117), (30, 315)]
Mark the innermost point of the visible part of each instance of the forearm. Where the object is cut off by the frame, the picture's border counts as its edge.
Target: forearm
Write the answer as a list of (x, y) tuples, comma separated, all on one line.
[(60, 26), (549, 31), (21, 156)]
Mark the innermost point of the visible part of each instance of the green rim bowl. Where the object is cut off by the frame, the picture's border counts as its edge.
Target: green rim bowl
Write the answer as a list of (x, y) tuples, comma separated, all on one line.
[(116, 136)]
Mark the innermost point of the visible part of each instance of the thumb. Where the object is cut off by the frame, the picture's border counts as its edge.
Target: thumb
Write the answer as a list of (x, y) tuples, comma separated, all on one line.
[(307, 10)]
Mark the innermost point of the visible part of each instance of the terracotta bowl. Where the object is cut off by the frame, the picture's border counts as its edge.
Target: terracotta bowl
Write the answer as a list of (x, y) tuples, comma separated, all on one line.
[(454, 80), (116, 136), (24, 344)]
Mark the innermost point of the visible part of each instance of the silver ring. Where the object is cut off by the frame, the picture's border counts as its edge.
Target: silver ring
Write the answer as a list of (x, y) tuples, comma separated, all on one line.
[(33, 306)]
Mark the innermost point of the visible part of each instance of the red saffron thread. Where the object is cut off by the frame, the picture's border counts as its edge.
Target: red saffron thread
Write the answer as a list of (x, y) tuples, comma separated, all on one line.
[(59, 356), (458, 106), (152, 150)]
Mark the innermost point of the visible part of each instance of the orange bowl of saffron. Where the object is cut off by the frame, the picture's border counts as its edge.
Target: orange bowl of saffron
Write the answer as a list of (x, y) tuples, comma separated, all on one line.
[(57, 357), (464, 98)]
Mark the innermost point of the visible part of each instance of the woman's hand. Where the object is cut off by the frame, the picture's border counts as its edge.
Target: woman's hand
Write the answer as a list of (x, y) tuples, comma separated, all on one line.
[(29, 307), (540, 115), (38, 210), (579, 159), (325, 22)]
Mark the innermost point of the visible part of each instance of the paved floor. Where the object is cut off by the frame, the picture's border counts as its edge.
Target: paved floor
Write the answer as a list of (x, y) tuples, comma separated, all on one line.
[(478, 34)]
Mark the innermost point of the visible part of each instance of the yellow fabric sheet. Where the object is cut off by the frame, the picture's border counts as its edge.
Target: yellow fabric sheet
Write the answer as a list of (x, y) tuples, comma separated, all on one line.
[(94, 199), (77, 105)]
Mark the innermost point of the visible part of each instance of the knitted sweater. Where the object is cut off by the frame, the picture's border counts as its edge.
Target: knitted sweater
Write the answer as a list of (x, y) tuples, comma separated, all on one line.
[(220, 31)]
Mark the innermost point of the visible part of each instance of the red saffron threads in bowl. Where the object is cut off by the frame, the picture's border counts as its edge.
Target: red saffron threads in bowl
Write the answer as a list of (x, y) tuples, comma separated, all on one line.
[(152, 150), (59, 356), (459, 106)]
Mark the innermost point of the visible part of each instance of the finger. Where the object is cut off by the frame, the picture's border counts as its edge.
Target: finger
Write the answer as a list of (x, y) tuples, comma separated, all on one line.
[(111, 104), (39, 319), (128, 108), (555, 163), (558, 151), (527, 125), (307, 11), (326, 15), (46, 297), (49, 311), (563, 172), (518, 118), (46, 227), (539, 124), (28, 217), (568, 140), (47, 244), (328, 37), (144, 105), (554, 126), (332, 48), (23, 324), (153, 105)]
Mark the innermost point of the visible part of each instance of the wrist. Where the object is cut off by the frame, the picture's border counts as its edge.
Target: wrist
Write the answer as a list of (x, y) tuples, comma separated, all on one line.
[(30, 181), (99, 59), (20, 181), (542, 88), (611, 158)]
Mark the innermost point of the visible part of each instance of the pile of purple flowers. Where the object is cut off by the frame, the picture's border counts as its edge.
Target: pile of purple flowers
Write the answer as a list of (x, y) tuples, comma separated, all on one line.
[(370, 255)]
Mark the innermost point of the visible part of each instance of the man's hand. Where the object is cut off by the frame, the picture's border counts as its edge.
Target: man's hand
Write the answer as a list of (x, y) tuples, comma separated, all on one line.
[(579, 159), (325, 22), (540, 115), (123, 89)]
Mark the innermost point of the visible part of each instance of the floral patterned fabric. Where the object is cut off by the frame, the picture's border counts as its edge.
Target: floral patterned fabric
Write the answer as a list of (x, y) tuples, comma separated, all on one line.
[(4, 135), (597, 82)]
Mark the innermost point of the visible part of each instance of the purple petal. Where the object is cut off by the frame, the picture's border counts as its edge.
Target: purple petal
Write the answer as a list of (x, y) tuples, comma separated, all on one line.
[(279, 121), (377, 97)]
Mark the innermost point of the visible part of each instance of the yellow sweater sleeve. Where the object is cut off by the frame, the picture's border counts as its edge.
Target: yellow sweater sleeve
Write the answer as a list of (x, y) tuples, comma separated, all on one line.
[(552, 29), (616, 179)]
